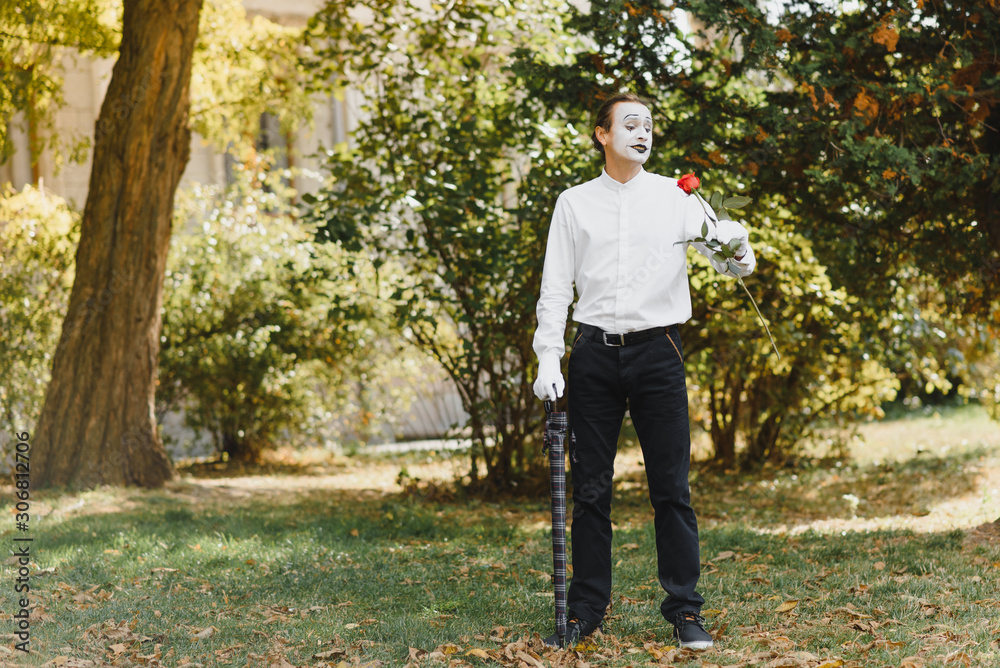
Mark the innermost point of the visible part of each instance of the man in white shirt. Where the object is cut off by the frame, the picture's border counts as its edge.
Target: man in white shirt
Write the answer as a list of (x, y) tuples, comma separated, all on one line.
[(616, 239)]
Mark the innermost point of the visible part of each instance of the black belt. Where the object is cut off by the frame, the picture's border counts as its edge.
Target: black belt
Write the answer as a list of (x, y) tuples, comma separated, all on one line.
[(624, 339)]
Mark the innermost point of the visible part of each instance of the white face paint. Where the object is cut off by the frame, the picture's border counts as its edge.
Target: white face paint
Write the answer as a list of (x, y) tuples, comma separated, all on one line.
[(630, 138)]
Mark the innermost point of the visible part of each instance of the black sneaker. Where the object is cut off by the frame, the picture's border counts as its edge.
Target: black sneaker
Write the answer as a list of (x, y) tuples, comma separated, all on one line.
[(576, 630), (689, 631)]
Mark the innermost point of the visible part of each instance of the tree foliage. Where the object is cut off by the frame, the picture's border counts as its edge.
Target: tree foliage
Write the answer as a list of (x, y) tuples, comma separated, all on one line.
[(34, 37), (879, 130), (885, 133), (469, 264), (737, 101), (38, 234), (243, 68), (437, 180)]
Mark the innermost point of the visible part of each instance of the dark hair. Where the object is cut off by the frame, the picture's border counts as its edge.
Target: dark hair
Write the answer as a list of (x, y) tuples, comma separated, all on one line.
[(604, 114)]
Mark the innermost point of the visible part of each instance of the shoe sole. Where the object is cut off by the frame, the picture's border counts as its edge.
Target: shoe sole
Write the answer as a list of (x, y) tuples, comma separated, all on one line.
[(698, 644)]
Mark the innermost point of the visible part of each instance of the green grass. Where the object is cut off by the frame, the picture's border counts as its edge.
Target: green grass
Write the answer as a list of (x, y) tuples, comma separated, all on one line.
[(359, 578), (279, 578)]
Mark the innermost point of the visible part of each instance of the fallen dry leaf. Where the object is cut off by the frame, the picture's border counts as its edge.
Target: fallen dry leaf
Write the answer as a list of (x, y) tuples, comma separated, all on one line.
[(529, 659), (787, 606), (223, 654), (959, 657), (775, 642), (329, 654), (784, 662), (206, 633), (805, 656), (852, 612), (869, 626), (68, 662)]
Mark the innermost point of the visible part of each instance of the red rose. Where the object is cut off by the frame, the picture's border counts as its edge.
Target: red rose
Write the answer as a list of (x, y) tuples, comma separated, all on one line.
[(689, 183)]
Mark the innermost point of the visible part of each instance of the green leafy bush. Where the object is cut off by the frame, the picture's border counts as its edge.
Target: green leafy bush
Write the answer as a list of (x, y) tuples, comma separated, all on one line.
[(38, 237), (261, 325), (828, 373)]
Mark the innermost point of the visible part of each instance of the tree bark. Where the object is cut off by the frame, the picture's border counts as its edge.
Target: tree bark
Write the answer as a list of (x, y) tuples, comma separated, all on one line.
[(988, 199), (97, 425)]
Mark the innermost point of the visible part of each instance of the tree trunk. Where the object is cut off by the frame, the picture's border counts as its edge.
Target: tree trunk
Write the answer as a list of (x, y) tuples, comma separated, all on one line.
[(723, 441), (240, 450), (97, 425), (725, 418), (988, 199)]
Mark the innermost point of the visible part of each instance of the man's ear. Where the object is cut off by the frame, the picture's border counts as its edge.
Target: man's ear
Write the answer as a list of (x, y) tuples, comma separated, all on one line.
[(602, 135)]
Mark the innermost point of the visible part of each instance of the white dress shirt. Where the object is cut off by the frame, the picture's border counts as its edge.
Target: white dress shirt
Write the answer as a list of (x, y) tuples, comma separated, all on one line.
[(617, 242)]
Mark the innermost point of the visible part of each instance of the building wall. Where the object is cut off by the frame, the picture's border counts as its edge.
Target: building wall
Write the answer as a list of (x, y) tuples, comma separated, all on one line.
[(85, 84)]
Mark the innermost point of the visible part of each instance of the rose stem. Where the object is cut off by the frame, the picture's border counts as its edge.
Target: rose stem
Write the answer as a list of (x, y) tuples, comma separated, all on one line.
[(759, 315)]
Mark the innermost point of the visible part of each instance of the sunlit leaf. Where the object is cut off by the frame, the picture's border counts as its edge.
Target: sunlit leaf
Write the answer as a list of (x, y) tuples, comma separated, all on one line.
[(787, 606), (736, 202)]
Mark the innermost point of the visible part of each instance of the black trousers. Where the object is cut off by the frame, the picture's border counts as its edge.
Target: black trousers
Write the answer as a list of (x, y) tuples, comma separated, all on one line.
[(648, 379)]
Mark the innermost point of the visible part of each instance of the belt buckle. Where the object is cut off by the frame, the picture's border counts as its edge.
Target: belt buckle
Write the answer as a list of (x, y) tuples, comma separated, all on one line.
[(618, 344)]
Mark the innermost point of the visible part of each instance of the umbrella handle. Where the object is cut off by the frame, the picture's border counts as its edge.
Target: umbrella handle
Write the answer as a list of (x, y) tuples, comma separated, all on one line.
[(550, 404)]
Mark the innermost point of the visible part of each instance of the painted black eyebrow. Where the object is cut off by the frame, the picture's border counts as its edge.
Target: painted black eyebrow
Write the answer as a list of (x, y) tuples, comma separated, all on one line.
[(627, 116)]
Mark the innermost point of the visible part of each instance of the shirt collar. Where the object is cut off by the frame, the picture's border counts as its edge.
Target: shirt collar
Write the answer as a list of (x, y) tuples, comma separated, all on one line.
[(616, 186)]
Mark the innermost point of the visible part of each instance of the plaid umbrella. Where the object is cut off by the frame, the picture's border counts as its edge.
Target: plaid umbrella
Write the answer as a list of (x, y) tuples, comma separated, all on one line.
[(556, 425)]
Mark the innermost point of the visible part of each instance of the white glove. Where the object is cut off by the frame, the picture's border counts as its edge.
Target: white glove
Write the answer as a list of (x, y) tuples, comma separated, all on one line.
[(549, 375), (727, 230)]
